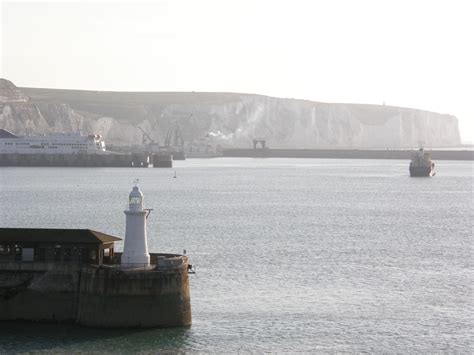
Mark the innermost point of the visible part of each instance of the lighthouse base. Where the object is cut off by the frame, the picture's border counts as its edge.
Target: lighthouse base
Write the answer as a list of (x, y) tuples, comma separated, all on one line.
[(135, 260)]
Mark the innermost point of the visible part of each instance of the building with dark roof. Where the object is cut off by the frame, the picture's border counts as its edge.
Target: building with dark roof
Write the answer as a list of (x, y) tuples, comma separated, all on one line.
[(56, 245)]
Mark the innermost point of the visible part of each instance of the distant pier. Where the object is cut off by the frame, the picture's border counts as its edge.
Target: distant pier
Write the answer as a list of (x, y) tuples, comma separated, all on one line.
[(135, 160), (345, 154)]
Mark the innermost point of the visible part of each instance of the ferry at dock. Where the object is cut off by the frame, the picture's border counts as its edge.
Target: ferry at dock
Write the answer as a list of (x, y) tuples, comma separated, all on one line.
[(54, 143)]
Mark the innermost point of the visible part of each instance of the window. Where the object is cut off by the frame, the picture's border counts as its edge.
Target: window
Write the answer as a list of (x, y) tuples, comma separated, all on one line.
[(5, 249), (57, 252), (17, 250), (41, 254), (28, 254), (135, 200), (67, 254)]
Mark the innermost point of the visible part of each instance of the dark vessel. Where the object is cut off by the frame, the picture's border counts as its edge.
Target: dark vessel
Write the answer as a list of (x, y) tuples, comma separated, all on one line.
[(178, 154), (421, 164), (162, 160)]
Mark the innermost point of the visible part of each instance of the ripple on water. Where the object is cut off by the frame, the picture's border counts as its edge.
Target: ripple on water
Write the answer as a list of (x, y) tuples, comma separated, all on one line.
[(300, 255)]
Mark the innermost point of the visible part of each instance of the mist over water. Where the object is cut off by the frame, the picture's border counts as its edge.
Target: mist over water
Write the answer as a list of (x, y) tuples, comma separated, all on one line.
[(291, 255)]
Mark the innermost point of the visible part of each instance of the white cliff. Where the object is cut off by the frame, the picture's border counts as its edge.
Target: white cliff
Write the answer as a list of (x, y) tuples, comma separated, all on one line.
[(231, 120), (303, 124)]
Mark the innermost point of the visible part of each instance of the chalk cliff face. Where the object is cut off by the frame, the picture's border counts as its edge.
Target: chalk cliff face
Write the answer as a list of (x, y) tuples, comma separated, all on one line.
[(227, 119), (303, 124)]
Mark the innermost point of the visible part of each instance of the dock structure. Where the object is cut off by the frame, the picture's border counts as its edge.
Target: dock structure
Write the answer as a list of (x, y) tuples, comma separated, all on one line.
[(76, 160), (261, 141), (114, 160), (345, 153), (75, 275), (96, 293), (76, 150)]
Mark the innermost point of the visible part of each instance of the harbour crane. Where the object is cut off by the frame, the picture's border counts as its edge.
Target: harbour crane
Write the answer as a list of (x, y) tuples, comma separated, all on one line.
[(146, 136), (174, 137)]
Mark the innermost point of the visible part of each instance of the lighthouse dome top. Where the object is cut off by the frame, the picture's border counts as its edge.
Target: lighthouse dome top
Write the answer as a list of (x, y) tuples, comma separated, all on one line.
[(136, 192)]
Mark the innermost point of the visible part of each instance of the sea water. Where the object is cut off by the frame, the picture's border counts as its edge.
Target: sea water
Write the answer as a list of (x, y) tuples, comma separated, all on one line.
[(291, 255)]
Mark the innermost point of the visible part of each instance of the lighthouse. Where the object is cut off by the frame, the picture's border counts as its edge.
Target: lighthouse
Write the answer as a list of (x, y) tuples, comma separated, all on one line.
[(135, 250)]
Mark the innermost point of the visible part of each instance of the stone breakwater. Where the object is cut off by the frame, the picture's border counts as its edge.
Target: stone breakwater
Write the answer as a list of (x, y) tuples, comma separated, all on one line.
[(106, 296), (346, 154)]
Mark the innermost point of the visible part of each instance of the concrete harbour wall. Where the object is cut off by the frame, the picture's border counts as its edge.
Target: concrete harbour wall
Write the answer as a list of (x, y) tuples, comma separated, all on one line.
[(346, 154), (134, 299), (106, 296), (75, 160), (39, 296)]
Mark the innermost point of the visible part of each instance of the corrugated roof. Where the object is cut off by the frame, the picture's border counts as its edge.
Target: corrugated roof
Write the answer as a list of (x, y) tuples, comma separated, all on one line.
[(5, 134), (55, 235)]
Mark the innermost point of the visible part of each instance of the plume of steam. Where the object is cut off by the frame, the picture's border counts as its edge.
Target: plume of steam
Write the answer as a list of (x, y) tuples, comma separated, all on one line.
[(221, 138)]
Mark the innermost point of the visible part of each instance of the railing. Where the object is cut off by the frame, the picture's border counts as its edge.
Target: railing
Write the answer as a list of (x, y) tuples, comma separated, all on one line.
[(158, 262), (48, 266), (160, 265), (130, 267)]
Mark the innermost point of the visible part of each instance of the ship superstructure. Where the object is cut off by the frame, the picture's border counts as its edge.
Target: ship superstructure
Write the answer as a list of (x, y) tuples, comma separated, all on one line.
[(421, 164), (54, 143)]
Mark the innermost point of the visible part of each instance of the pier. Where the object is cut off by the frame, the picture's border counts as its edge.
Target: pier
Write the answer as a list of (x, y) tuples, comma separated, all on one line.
[(111, 160), (345, 154), (75, 275)]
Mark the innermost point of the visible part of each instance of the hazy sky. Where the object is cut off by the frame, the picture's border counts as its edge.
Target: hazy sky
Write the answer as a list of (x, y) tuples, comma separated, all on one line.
[(411, 53)]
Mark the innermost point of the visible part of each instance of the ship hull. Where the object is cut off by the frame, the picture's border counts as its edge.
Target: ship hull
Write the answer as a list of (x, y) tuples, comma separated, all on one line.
[(179, 155), (421, 171), (162, 160)]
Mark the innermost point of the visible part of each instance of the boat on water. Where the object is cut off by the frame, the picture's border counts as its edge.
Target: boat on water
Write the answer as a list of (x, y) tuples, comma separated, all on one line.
[(54, 143), (421, 164), (65, 150)]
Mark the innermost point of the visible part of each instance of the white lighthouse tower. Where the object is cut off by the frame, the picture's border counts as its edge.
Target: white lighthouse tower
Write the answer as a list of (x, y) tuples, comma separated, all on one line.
[(135, 250)]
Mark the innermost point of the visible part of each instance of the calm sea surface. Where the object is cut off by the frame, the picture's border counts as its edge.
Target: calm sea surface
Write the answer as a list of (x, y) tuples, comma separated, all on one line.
[(292, 255)]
